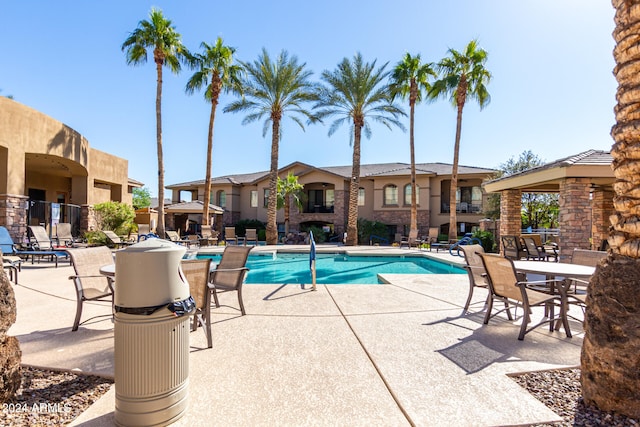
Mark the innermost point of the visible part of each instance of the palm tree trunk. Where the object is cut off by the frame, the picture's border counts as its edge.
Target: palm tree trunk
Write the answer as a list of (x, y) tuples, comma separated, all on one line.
[(207, 180), (272, 203), (160, 228), (453, 219), (414, 203), (609, 363), (354, 187), (287, 204)]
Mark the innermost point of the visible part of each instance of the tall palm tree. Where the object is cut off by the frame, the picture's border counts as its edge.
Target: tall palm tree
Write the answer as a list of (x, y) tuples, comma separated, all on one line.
[(410, 79), (289, 188), (357, 93), (160, 37), (217, 73), (273, 90), (611, 347), (462, 75)]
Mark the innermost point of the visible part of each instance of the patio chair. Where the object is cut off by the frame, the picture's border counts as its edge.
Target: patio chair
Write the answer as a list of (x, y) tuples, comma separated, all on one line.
[(39, 238), (433, 234), (412, 240), (174, 236), (196, 271), (10, 260), (229, 274), (209, 236), (230, 235), (65, 238), (115, 240), (251, 235), (40, 246), (578, 295), (512, 247), (504, 286), (90, 284), (537, 252), (475, 270)]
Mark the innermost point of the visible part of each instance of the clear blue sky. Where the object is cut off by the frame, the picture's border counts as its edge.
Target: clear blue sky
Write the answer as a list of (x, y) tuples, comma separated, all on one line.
[(552, 91)]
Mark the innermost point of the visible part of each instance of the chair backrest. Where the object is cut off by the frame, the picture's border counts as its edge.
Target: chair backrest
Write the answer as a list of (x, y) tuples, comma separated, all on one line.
[(6, 242), (472, 258), (63, 232), (502, 276), (41, 237), (229, 232), (531, 246), (206, 231), (112, 236), (233, 257), (413, 235), (196, 271), (587, 257), (536, 238), (251, 234), (433, 234), (87, 262), (511, 247), (173, 235)]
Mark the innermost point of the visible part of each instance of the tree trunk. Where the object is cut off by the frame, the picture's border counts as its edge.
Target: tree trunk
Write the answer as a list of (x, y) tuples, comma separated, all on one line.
[(453, 219), (414, 203), (207, 180), (160, 229), (610, 362), (10, 354), (272, 203), (354, 187)]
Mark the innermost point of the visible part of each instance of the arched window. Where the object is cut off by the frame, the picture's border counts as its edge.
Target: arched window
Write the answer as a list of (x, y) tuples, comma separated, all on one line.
[(391, 194), (407, 195), (222, 199)]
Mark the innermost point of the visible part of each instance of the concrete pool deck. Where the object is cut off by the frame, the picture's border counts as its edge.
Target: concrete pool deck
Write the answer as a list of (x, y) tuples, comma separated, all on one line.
[(402, 353)]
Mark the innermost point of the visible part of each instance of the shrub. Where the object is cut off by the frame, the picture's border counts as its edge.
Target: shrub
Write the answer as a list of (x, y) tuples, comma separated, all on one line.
[(318, 234), (486, 240), (115, 216), (243, 224), (368, 228)]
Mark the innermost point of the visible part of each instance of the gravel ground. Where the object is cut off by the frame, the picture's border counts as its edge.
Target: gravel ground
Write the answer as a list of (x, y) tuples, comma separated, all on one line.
[(49, 398)]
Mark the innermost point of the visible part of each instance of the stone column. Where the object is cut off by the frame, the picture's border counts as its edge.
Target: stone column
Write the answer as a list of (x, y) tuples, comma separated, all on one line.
[(575, 216), (13, 215), (601, 210), (510, 214)]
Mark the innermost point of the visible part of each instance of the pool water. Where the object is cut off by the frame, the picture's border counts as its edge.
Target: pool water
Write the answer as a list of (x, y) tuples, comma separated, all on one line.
[(335, 268)]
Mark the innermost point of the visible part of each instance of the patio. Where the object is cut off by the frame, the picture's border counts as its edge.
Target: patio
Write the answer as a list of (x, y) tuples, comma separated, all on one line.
[(396, 354)]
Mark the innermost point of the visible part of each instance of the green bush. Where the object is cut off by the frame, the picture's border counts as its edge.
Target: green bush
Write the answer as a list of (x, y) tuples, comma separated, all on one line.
[(243, 224), (115, 216), (486, 240), (318, 234), (368, 228), (96, 238)]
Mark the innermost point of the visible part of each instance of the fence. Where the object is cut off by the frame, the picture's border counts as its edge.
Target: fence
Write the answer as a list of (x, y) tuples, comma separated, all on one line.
[(48, 214)]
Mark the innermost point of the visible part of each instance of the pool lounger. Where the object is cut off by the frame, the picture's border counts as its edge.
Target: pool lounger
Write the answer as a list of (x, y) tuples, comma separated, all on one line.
[(53, 255)]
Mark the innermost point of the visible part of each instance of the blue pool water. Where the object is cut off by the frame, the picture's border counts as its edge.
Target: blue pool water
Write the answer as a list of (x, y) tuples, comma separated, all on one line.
[(335, 268)]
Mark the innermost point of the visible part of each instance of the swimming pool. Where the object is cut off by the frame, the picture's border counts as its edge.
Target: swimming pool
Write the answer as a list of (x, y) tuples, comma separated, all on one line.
[(331, 269)]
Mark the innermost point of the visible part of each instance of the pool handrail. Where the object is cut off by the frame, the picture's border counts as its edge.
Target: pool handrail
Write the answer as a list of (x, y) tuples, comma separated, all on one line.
[(464, 241)]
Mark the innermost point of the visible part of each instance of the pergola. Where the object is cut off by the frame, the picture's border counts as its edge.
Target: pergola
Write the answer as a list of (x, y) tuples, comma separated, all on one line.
[(179, 213), (584, 184)]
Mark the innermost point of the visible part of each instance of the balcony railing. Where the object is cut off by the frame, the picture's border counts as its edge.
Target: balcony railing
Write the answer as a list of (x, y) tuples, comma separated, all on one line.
[(463, 207)]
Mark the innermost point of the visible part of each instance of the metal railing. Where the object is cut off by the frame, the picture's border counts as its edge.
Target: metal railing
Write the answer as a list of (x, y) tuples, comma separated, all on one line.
[(48, 214)]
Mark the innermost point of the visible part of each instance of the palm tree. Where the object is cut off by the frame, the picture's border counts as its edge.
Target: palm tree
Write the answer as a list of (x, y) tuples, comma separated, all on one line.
[(611, 346), (215, 72), (272, 90), (287, 189), (410, 78), (160, 36), (356, 93), (462, 75)]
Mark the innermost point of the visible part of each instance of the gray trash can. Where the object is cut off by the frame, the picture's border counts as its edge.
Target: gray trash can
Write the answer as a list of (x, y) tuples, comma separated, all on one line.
[(151, 332)]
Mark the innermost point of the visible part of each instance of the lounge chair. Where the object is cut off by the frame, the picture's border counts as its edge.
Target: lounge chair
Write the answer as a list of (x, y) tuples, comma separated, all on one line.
[(41, 247), (209, 236), (251, 235), (90, 284), (64, 237), (229, 274), (475, 270), (411, 240), (512, 247), (504, 286), (39, 238), (114, 239), (10, 260), (175, 238), (196, 271)]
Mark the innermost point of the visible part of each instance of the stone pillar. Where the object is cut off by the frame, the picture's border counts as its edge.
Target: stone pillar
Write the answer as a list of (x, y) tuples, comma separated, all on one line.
[(575, 216), (10, 353), (510, 214), (13, 215), (88, 220), (601, 210)]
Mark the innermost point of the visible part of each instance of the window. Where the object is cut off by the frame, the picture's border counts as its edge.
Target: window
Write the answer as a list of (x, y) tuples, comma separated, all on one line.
[(222, 199), (266, 197), (329, 197), (407, 194), (254, 198), (360, 196), (391, 195)]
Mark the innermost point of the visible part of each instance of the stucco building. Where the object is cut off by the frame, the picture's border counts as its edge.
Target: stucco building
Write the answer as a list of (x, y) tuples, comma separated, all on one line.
[(49, 173), (385, 196)]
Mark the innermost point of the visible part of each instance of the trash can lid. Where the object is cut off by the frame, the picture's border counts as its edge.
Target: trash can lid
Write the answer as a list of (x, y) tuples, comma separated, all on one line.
[(154, 245)]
